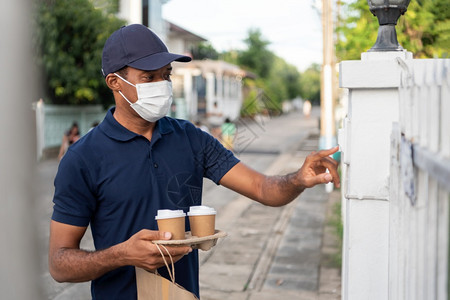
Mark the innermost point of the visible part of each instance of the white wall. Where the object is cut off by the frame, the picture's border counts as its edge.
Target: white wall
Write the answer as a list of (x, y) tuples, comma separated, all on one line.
[(176, 46), (52, 121)]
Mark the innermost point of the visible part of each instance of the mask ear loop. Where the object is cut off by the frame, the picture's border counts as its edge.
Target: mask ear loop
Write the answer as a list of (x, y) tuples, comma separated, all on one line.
[(124, 79), (171, 273), (120, 92)]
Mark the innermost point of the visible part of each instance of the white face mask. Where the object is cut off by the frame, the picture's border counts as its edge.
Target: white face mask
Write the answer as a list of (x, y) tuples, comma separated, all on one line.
[(154, 99)]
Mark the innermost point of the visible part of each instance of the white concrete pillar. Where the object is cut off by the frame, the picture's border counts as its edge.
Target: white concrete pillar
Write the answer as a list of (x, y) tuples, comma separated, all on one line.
[(210, 87), (40, 128), (156, 22), (373, 84), (190, 96), (20, 255), (131, 11)]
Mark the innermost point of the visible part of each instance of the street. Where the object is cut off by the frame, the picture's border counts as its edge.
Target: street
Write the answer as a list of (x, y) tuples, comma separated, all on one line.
[(269, 252)]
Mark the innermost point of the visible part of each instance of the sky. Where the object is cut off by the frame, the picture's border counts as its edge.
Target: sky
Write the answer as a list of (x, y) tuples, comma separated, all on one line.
[(293, 27)]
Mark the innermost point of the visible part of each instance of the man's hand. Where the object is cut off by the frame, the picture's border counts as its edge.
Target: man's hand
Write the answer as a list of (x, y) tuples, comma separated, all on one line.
[(68, 263), (280, 190), (314, 169), (141, 252)]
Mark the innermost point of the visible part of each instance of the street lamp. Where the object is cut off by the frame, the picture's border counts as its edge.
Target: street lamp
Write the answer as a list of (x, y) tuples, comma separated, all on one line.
[(387, 12)]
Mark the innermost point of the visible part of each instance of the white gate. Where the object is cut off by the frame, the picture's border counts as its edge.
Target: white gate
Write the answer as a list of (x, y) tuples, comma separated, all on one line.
[(420, 183), (396, 177)]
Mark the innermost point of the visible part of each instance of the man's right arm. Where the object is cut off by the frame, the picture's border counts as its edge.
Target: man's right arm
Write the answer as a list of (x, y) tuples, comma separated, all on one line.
[(69, 263)]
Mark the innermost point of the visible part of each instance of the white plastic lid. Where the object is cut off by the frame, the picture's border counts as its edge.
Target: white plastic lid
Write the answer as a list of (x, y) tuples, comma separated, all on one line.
[(169, 214), (201, 210)]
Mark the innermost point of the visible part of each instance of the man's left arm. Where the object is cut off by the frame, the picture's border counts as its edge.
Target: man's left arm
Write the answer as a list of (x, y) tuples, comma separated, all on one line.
[(280, 190)]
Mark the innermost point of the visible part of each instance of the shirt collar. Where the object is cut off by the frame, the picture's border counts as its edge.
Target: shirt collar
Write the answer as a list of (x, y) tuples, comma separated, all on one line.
[(164, 125), (116, 131)]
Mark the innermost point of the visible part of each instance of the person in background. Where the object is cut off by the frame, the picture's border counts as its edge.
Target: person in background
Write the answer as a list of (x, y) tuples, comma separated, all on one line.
[(307, 108), (228, 134), (202, 126), (70, 137), (94, 124)]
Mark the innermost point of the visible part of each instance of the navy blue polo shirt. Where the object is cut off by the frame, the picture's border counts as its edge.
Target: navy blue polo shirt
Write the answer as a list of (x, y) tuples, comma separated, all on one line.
[(116, 180)]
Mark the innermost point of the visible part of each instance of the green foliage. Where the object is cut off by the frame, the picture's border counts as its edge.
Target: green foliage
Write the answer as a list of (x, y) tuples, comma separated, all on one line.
[(204, 50), (276, 88), (335, 222), (358, 30), (310, 84), (250, 107), (424, 29), (108, 6), (70, 39), (276, 81), (257, 57), (230, 56), (287, 76)]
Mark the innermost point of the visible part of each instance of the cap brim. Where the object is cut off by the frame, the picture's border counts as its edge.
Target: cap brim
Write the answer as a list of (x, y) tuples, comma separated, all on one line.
[(157, 61)]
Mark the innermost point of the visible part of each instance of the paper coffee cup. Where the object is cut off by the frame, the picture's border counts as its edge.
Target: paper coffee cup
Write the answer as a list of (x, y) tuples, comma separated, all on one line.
[(202, 220), (172, 221)]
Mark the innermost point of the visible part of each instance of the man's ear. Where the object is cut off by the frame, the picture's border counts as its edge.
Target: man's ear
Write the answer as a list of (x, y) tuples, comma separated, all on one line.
[(112, 82)]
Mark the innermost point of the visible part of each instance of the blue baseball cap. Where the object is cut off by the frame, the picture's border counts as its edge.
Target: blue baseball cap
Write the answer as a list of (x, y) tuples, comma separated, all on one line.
[(138, 47)]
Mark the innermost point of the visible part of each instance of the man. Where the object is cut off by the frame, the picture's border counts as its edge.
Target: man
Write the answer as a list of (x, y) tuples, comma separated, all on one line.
[(138, 161)]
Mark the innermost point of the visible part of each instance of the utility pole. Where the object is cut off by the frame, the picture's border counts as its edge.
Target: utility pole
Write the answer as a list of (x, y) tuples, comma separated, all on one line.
[(327, 90)]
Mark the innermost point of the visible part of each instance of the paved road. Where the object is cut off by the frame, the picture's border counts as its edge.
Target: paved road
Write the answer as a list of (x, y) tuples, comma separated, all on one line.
[(269, 250), (274, 253)]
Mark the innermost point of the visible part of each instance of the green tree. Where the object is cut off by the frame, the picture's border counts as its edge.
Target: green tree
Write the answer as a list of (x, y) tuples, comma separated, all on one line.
[(250, 105), (310, 84), (424, 29), (257, 58), (441, 13), (204, 50), (230, 56), (276, 81), (290, 77), (283, 82), (357, 32), (70, 39)]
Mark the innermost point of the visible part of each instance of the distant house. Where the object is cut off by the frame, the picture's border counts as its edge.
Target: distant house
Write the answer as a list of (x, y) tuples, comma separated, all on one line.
[(201, 83), (179, 40)]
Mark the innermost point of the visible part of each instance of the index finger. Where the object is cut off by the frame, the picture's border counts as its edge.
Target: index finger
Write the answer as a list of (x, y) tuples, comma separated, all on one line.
[(327, 152)]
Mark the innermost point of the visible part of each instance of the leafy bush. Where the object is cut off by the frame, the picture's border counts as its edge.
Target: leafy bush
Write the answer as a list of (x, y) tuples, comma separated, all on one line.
[(70, 35)]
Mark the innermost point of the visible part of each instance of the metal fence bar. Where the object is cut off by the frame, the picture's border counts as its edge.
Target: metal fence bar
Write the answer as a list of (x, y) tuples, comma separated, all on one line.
[(436, 166)]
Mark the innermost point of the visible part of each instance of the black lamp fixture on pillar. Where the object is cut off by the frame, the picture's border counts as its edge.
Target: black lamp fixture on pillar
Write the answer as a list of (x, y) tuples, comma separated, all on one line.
[(387, 12)]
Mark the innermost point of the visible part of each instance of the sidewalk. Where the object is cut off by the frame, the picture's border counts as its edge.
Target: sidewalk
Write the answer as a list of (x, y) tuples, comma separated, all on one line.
[(272, 253)]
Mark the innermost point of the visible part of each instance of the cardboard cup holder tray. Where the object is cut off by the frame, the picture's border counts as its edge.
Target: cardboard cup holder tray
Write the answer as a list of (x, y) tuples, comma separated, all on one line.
[(205, 243)]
